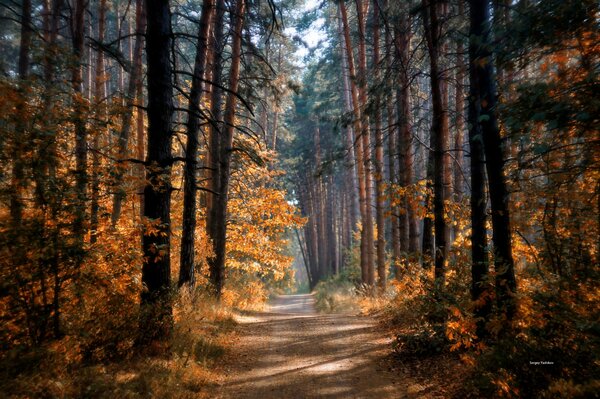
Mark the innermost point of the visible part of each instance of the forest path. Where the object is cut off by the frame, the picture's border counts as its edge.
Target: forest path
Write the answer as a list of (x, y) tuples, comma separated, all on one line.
[(290, 351)]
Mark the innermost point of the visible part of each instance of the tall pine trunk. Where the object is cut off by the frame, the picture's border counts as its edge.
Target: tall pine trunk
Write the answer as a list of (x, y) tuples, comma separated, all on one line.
[(483, 77), (135, 81), (358, 142), (156, 308), (100, 93), (79, 110), (186, 262), (215, 131), (219, 217), (439, 130), (379, 195), (368, 236)]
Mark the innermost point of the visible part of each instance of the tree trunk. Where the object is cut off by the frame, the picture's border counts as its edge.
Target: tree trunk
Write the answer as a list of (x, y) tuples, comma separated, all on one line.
[(460, 114), (392, 154), (361, 11), (479, 254), (79, 110), (226, 143), (483, 78), (358, 143), (100, 109), (379, 201), (215, 131), (156, 312), (407, 220), (351, 158), (439, 131), (186, 265), (17, 180), (135, 81)]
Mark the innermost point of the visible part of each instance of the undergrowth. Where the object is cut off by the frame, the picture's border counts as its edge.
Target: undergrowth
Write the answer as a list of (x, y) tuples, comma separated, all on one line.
[(183, 369)]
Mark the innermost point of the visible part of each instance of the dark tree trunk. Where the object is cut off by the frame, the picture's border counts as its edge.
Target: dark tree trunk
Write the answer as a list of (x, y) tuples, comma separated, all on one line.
[(186, 263), (479, 265), (484, 80), (428, 221), (156, 313), (219, 218), (439, 131), (215, 131), (79, 109), (16, 200)]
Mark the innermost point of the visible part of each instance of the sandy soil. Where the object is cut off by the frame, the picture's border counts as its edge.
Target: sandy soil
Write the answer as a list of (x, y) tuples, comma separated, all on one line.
[(290, 351)]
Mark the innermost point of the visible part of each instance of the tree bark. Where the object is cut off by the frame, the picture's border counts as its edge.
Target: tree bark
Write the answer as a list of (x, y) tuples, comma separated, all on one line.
[(351, 158), (135, 81), (17, 179), (392, 152), (479, 254), (215, 131), (460, 115), (100, 110), (156, 308), (358, 143), (379, 200), (439, 131), (186, 263), (484, 79), (226, 143), (81, 134), (361, 11)]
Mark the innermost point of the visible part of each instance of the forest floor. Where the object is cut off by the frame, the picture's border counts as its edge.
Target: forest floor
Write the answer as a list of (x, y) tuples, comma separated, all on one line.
[(291, 351)]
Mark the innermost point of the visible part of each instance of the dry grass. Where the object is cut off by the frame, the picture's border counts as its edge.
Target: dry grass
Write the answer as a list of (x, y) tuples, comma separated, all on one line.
[(202, 334)]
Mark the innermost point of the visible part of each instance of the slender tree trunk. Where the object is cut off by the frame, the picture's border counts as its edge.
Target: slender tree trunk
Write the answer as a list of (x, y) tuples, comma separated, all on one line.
[(379, 202), (351, 159), (79, 109), (17, 181), (393, 153), (119, 26), (226, 144), (361, 11), (186, 264), (215, 131), (460, 114), (407, 219), (126, 123), (156, 312), (331, 227), (99, 101), (484, 79), (479, 254), (439, 130), (319, 197), (359, 144)]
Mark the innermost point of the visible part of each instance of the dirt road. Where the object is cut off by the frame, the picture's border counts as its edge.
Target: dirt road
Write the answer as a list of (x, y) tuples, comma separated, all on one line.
[(290, 351)]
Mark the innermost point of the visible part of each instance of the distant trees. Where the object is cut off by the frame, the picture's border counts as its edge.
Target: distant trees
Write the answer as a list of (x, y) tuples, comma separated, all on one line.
[(424, 152)]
